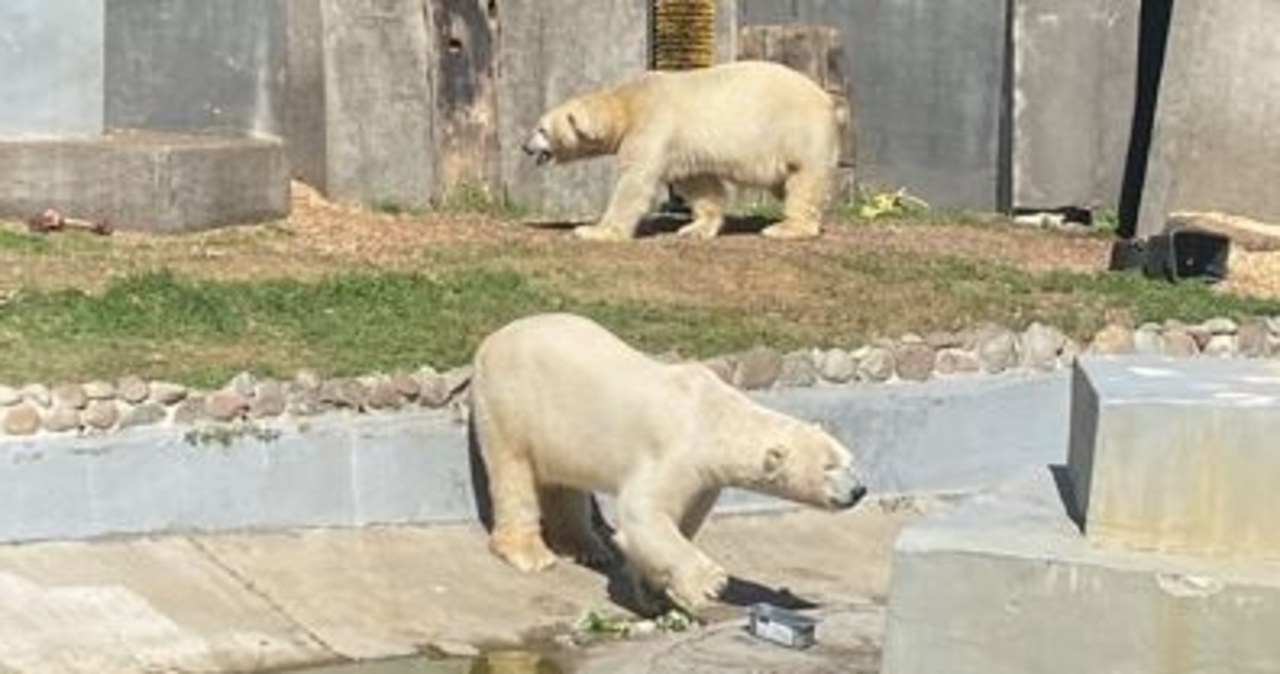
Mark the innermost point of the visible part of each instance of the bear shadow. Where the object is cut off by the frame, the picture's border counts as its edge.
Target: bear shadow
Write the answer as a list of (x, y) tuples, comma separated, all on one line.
[(740, 592), (668, 224)]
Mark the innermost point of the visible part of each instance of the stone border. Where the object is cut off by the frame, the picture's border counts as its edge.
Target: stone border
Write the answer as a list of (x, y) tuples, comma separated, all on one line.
[(99, 407)]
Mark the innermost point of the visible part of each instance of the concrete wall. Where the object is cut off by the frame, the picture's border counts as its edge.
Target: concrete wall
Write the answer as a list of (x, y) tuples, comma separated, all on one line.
[(1075, 69), (347, 470), (929, 79), (547, 51), (1215, 141), (51, 68), (194, 65)]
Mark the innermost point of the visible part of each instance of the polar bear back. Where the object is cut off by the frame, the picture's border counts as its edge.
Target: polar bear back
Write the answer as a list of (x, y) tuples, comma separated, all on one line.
[(582, 405)]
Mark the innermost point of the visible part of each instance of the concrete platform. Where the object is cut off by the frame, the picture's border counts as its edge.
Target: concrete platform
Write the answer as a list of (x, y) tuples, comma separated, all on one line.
[(1005, 584), (147, 181), (1177, 455)]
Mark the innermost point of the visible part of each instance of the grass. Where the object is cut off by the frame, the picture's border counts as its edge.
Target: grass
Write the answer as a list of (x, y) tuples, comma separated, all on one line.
[(19, 242), (201, 332)]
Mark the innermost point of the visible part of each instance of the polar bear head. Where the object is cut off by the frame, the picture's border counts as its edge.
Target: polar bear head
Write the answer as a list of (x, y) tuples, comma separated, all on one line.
[(580, 128), (806, 465)]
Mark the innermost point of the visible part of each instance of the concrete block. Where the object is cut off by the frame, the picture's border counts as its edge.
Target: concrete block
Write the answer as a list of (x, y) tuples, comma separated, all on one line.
[(1214, 143), (929, 78), (360, 99), (1074, 68), (548, 51), (146, 181), (51, 57), (1177, 455), (195, 66), (1005, 584)]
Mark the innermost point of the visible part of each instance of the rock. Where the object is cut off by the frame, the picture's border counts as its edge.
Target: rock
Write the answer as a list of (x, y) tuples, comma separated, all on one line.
[(303, 402), (1252, 339), (455, 649), (70, 395), (1273, 324), (722, 366), (146, 414), (38, 394), (345, 393), (457, 379), (1112, 340), (1220, 326), (837, 365), (243, 383), (226, 405), (1199, 333), (190, 410), (876, 365), (956, 361), (996, 349), (22, 419), (99, 390), (944, 340), (914, 361), (132, 389), (308, 380), (100, 414), (406, 385), (269, 399), (798, 370), (1220, 346), (62, 418), (1179, 343), (1148, 340), (1040, 346), (383, 395), (911, 338), (1070, 351), (167, 393), (434, 390), (9, 396), (758, 368)]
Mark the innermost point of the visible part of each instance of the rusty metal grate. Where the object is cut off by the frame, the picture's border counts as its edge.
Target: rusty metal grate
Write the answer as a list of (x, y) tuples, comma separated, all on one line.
[(684, 34)]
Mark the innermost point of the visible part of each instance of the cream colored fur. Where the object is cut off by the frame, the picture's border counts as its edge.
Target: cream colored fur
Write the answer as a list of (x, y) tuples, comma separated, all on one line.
[(562, 408), (751, 123)]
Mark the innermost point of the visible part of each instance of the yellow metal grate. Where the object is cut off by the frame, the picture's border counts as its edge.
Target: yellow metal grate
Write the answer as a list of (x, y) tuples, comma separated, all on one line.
[(684, 34)]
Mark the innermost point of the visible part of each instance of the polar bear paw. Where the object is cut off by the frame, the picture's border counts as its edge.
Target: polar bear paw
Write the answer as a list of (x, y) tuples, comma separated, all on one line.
[(600, 233), (789, 229), (525, 551), (699, 229), (691, 590)]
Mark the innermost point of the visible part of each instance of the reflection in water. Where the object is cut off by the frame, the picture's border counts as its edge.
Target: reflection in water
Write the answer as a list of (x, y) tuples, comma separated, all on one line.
[(497, 662)]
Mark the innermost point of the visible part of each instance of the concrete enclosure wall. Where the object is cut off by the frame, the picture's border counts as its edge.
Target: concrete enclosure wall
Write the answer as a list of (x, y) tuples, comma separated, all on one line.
[(195, 66), (1215, 141), (51, 70)]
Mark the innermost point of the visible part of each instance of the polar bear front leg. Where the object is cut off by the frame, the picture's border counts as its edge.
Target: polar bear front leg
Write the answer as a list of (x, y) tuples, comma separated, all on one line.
[(568, 527), (807, 192), (706, 195), (654, 545), (632, 198), (517, 515)]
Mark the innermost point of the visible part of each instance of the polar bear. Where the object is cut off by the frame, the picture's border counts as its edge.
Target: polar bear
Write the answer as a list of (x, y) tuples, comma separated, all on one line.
[(751, 123), (562, 408)]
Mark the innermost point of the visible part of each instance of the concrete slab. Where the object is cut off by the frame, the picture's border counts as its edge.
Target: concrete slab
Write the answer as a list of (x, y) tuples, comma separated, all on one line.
[(1177, 455), (51, 54), (147, 181), (413, 466), (1005, 584)]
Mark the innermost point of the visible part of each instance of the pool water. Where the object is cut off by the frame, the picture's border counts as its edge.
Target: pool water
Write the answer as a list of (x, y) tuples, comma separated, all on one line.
[(497, 662)]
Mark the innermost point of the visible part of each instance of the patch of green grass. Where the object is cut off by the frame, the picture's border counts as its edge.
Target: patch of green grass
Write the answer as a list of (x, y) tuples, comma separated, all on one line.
[(471, 197), (390, 206), (21, 242)]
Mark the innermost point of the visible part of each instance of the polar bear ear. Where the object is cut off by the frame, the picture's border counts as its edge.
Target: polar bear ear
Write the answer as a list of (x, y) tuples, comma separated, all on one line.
[(581, 127), (774, 459)]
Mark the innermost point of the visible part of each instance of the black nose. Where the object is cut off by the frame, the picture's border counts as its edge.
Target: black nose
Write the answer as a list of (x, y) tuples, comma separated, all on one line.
[(857, 493), (526, 149)]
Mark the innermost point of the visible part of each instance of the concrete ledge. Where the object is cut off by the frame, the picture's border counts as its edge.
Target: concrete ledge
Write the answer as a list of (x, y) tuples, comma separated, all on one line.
[(1005, 584), (345, 469), (147, 181), (1177, 455)]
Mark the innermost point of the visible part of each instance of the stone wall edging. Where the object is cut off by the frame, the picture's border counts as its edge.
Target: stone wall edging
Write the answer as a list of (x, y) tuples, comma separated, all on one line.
[(99, 407)]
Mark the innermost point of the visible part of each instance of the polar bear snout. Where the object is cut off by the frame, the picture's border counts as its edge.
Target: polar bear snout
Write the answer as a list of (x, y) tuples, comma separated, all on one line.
[(538, 146), (844, 489)]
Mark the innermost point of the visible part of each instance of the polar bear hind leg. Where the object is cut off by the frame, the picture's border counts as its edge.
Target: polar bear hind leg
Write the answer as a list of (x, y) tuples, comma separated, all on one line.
[(513, 492), (806, 192), (706, 196)]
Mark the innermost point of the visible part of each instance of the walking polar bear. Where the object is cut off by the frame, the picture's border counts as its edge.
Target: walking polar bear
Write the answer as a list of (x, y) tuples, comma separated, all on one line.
[(752, 123), (562, 408)]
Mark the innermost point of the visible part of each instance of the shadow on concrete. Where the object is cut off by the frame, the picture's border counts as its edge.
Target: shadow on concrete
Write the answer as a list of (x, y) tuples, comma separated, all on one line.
[(1153, 38), (1062, 480)]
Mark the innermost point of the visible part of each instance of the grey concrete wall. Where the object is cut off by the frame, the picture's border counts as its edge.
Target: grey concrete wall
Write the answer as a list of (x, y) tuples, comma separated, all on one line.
[(194, 65), (346, 470), (929, 80), (548, 51), (1075, 69), (1215, 141), (51, 68)]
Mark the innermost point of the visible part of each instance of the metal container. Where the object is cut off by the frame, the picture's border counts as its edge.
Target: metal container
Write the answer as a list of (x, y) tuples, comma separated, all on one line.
[(787, 628)]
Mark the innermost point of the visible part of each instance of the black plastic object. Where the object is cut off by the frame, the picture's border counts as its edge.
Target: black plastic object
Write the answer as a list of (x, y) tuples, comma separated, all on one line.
[(1188, 253)]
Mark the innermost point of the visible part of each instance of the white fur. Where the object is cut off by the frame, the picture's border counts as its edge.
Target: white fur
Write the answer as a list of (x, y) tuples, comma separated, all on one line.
[(752, 123), (563, 408)]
